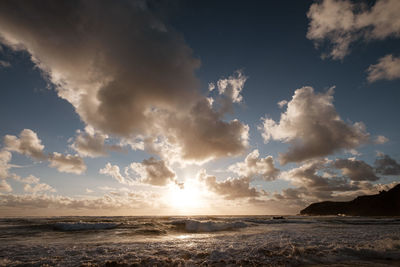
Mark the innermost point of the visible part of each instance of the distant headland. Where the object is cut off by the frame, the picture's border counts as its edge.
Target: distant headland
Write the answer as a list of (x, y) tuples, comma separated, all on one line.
[(386, 203)]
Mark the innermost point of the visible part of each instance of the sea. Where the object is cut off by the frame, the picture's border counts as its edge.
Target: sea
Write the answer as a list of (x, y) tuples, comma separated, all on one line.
[(200, 241)]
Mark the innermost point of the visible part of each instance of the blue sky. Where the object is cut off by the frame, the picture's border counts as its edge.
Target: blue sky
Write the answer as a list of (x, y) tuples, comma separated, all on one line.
[(165, 57)]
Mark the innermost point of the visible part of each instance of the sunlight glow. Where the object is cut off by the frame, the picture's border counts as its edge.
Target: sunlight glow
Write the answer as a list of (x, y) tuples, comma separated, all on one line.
[(186, 199)]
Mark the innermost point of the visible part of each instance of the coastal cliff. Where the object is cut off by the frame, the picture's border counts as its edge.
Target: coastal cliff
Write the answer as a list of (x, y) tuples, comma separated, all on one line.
[(386, 203)]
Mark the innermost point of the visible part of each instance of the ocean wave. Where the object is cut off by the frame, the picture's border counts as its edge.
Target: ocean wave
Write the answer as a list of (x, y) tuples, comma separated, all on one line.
[(260, 241), (80, 226), (195, 226)]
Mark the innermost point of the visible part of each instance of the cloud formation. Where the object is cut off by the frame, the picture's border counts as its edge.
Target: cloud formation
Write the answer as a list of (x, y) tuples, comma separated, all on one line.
[(231, 188), (114, 172), (4, 64), (256, 167), (67, 163), (150, 171), (5, 158), (312, 127), (385, 165), (309, 175), (121, 70), (56, 204), (5, 187), (300, 197), (380, 139), (318, 180), (30, 179), (356, 170), (387, 68), (153, 171), (90, 143), (202, 135), (27, 144), (342, 22), (39, 187), (232, 86)]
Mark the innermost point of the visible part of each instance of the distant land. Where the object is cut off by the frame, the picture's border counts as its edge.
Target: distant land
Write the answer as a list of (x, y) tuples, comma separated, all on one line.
[(386, 203)]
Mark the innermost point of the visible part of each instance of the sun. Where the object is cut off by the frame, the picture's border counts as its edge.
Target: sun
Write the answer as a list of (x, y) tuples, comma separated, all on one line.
[(188, 198)]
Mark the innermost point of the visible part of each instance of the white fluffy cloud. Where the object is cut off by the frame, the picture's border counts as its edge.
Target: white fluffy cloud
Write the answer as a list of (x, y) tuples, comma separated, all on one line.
[(38, 188), (342, 22), (32, 184), (27, 144), (67, 163), (312, 127), (153, 171), (232, 86), (380, 139), (114, 172), (149, 171), (30, 179), (387, 68), (121, 70), (256, 167)]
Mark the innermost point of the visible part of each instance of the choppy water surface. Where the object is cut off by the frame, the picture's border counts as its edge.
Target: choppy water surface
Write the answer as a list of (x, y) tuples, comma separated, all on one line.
[(192, 241)]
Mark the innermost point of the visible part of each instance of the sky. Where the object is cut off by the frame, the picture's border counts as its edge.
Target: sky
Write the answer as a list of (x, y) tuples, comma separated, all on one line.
[(196, 107)]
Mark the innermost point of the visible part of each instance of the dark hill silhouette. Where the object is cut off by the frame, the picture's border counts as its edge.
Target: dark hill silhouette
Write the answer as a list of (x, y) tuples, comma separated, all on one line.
[(382, 204)]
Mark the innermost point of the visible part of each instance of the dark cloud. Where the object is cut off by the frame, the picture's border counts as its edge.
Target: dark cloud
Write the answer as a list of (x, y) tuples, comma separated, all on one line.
[(4, 64), (356, 170), (385, 165), (319, 180), (121, 66), (202, 135), (300, 197), (313, 176)]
